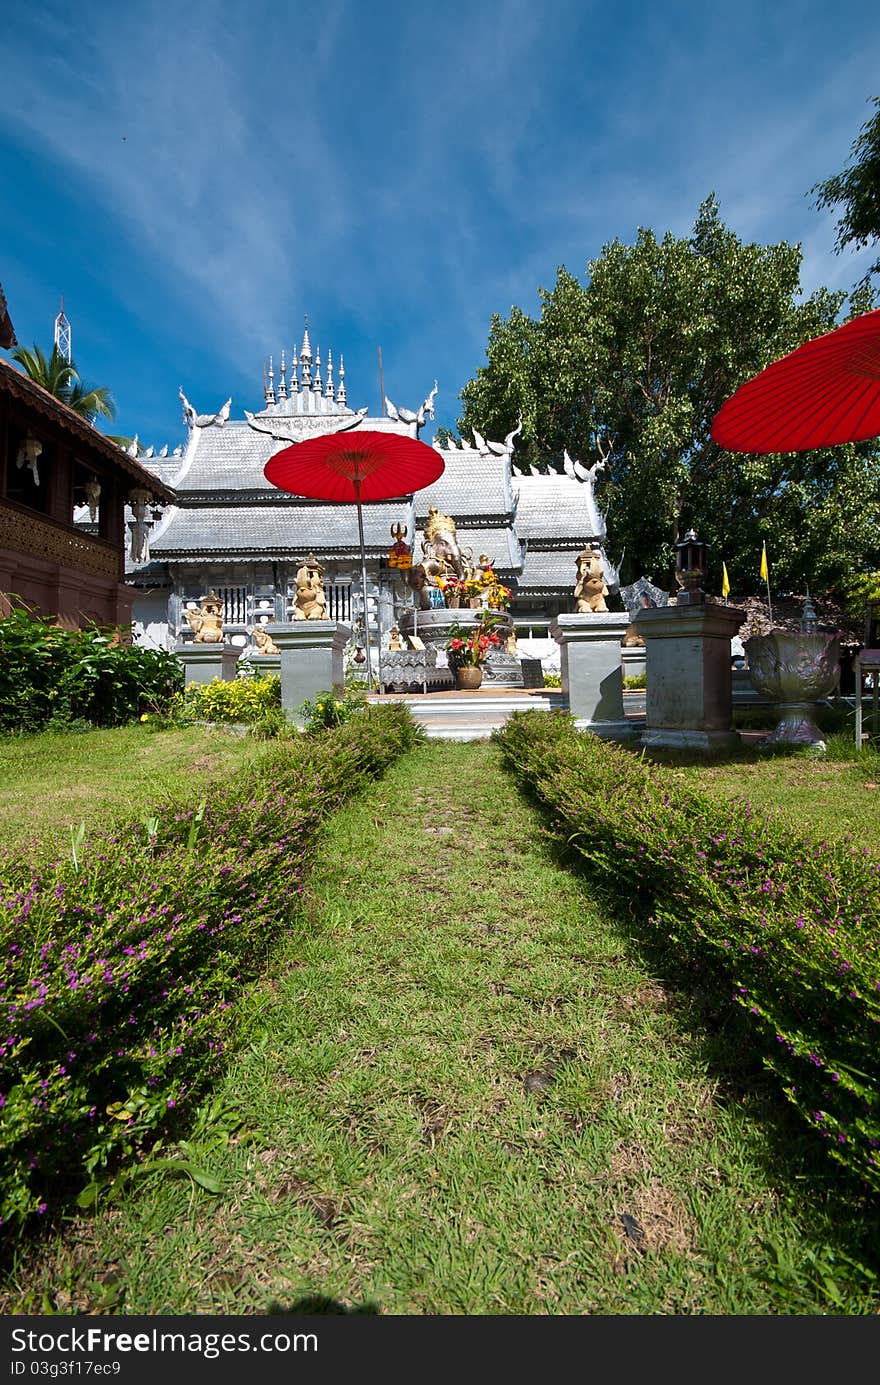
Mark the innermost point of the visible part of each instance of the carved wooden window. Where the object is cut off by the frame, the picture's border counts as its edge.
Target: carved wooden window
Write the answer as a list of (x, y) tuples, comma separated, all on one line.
[(235, 605)]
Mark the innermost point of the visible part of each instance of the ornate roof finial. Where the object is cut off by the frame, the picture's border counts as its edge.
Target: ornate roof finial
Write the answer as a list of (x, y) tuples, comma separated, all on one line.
[(294, 362), (316, 383), (265, 385), (270, 392), (282, 383), (340, 393), (305, 356), (328, 393)]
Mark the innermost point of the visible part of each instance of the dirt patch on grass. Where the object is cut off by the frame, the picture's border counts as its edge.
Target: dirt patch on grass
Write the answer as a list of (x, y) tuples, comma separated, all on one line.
[(436, 1117), (654, 1219), (206, 763)]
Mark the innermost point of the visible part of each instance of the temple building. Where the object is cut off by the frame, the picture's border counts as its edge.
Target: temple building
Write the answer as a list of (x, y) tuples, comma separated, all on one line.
[(229, 530)]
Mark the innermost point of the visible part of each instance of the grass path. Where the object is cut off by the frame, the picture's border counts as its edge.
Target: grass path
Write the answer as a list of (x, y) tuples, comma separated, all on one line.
[(461, 1092)]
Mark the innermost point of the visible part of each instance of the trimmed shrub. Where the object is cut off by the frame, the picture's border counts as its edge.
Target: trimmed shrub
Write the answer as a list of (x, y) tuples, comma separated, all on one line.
[(792, 926), (120, 962), (329, 709), (50, 676)]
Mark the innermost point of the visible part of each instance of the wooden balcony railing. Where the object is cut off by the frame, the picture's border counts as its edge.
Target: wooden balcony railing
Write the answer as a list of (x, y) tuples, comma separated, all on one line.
[(33, 535)]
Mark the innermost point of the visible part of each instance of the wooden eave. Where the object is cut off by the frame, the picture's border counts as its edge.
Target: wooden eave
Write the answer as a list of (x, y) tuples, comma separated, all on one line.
[(21, 387)]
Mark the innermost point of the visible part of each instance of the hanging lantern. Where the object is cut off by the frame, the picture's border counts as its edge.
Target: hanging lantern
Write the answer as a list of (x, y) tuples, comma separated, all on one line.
[(359, 655)]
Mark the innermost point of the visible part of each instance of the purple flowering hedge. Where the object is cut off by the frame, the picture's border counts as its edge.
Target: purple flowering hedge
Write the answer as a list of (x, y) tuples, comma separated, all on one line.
[(120, 960), (792, 925)]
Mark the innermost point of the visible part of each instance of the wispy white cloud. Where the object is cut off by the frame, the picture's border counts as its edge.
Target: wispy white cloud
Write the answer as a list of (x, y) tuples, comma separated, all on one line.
[(402, 173)]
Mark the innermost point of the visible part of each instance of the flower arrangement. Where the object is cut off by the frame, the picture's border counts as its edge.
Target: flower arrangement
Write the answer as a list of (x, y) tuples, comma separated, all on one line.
[(456, 589), (497, 595), (483, 585), (468, 646)]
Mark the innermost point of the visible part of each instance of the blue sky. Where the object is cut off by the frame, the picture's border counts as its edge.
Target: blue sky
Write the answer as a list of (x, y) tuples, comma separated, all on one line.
[(196, 178)]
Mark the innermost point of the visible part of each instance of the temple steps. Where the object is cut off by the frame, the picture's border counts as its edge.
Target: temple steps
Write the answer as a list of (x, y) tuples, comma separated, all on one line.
[(471, 716)]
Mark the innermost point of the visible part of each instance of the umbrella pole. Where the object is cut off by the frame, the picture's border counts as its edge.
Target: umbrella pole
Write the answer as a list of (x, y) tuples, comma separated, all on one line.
[(357, 492)]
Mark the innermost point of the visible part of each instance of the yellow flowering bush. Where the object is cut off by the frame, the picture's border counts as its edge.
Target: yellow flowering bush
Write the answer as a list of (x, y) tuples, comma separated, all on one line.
[(241, 700)]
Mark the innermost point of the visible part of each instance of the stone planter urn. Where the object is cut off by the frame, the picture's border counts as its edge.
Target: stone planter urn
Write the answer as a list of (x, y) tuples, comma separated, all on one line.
[(468, 678), (794, 669)]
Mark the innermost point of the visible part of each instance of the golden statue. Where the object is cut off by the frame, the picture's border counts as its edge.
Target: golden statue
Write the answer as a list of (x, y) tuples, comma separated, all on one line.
[(395, 643), (206, 623), (590, 589), (441, 554), (264, 641), (311, 601)]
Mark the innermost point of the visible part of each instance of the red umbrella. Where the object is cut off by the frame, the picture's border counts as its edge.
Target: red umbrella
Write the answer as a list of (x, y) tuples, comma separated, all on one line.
[(824, 393), (358, 467)]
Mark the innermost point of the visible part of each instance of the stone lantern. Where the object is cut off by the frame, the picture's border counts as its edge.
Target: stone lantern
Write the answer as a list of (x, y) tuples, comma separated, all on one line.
[(691, 556)]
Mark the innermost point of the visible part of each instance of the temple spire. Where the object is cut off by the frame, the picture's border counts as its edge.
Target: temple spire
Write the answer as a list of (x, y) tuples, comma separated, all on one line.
[(340, 393), (294, 362), (316, 383), (282, 383), (270, 392), (328, 393), (305, 356)]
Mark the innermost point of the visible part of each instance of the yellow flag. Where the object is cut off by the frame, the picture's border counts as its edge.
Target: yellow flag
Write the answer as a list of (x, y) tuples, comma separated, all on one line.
[(725, 581), (765, 573)]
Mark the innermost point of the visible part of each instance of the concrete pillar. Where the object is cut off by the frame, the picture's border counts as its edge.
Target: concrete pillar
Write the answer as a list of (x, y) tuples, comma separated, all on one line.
[(592, 678), (261, 663), (688, 701), (311, 660), (633, 660), (202, 663)]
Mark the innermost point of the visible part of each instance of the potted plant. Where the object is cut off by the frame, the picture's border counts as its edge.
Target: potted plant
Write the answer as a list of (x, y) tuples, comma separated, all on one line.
[(469, 646)]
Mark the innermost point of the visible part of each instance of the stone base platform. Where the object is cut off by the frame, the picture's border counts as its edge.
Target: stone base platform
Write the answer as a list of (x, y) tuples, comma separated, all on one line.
[(472, 716), (502, 670)]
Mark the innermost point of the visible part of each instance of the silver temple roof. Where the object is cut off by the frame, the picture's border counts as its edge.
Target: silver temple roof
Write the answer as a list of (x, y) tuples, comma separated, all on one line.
[(553, 508), (226, 510), (278, 531)]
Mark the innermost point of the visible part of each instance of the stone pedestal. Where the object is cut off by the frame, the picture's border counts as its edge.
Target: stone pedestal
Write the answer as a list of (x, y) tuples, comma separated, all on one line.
[(311, 660), (633, 660), (501, 670), (202, 663), (262, 663), (592, 678), (688, 701)]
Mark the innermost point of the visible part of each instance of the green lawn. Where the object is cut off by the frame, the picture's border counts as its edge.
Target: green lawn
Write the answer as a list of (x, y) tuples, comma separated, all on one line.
[(53, 781), (460, 1089), (826, 796)]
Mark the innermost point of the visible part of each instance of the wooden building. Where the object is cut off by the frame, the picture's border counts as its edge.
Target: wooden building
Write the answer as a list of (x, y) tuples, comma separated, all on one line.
[(53, 462)]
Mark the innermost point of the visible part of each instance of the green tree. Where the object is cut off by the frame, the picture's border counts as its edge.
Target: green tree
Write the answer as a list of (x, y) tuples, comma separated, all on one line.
[(62, 379), (857, 191), (640, 358)]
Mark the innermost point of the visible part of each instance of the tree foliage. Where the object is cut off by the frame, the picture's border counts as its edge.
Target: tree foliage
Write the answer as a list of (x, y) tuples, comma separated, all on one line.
[(857, 191), (640, 358), (62, 379)]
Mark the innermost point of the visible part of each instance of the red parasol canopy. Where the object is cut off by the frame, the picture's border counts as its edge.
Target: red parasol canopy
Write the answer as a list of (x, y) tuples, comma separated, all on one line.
[(353, 467), (363, 466), (824, 393)]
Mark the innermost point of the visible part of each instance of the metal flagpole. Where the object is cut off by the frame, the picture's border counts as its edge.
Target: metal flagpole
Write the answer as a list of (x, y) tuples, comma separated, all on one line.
[(357, 492)]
